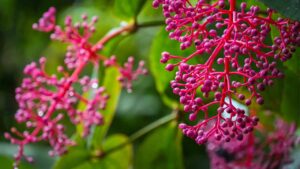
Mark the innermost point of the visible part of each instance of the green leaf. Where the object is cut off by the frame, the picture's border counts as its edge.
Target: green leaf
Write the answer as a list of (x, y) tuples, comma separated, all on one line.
[(290, 8), (103, 5), (291, 97), (80, 158), (284, 96), (161, 149), (273, 96), (74, 158), (128, 9), (121, 158), (274, 30), (294, 63), (148, 13), (113, 88), (162, 77)]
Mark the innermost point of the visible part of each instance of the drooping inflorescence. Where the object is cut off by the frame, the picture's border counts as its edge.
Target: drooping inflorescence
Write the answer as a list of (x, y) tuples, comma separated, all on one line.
[(128, 74), (44, 99), (240, 56), (269, 152)]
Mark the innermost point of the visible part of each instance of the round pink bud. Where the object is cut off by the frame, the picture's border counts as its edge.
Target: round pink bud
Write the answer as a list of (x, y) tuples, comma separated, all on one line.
[(170, 67)]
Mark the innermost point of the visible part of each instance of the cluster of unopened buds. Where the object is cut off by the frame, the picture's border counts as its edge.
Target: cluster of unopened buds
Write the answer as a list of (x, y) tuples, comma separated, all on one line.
[(271, 151), (239, 55), (45, 99)]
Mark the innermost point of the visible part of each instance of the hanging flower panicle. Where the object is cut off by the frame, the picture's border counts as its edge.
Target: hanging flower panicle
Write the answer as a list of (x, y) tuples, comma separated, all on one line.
[(128, 74), (44, 99), (240, 57)]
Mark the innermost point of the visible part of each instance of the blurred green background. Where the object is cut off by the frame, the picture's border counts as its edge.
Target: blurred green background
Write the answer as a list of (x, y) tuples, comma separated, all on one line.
[(151, 97)]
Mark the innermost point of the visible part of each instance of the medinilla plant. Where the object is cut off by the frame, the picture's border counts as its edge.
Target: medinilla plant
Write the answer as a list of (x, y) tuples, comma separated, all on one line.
[(236, 40), (220, 58)]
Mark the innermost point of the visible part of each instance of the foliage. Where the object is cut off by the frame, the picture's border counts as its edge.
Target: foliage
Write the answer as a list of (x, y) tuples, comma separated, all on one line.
[(152, 98)]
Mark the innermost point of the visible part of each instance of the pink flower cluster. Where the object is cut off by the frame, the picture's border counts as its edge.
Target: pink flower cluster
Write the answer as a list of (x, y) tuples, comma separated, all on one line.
[(238, 56), (128, 74), (47, 22), (271, 152), (45, 99)]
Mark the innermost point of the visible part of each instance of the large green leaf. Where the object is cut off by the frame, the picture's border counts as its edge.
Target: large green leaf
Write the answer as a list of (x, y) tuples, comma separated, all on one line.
[(290, 8), (272, 96), (294, 63), (103, 5), (162, 77), (120, 158), (113, 88), (284, 96), (149, 14), (291, 97), (128, 9), (74, 158), (161, 149), (80, 158)]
